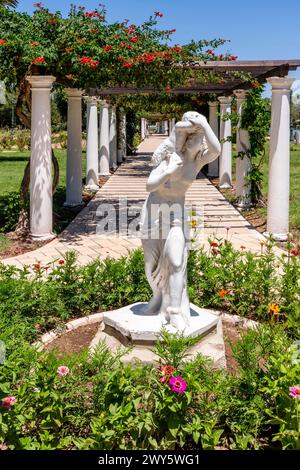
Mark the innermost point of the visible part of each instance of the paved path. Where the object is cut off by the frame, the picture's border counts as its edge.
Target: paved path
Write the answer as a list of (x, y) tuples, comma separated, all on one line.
[(221, 219)]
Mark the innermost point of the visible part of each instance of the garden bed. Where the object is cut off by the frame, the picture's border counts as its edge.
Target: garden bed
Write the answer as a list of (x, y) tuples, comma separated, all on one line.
[(64, 398)]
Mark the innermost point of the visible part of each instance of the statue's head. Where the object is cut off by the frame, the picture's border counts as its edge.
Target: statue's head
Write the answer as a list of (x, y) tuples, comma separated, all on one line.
[(193, 122)]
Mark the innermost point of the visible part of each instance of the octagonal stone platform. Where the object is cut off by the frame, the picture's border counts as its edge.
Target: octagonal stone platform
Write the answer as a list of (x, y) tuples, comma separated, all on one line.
[(134, 325), (129, 328)]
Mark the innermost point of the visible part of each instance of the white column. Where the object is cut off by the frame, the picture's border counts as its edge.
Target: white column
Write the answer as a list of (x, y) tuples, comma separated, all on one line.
[(92, 144), (225, 170), (104, 139), (143, 129), (41, 216), (213, 167), (243, 165), (279, 159), (74, 151), (113, 137), (121, 136)]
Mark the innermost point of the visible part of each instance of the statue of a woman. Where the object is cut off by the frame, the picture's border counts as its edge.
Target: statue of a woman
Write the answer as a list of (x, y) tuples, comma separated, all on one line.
[(178, 160)]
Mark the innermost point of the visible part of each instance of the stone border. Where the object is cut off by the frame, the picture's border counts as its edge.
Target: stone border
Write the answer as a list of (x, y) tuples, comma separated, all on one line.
[(51, 336), (48, 338), (236, 320)]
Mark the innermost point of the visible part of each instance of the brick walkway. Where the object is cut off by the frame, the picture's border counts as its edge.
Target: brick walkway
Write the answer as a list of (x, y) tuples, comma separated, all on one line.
[(221, 219)]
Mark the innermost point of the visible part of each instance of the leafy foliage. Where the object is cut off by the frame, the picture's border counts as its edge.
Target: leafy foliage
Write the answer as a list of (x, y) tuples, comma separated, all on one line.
[(256, 119), (83, 50)]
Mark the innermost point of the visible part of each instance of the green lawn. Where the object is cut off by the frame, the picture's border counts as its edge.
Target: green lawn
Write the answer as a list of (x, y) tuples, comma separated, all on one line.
[(12, 165)]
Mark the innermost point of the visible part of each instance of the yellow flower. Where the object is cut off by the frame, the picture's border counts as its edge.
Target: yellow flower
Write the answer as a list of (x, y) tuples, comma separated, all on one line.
[(194, 223), (274, 308)]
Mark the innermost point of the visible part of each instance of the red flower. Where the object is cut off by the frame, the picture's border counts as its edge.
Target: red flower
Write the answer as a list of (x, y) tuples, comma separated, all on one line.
[(93, 31), (69, 49), (61, 261), (3, 41), (107, 48), (38, 5), (38, 60), (53, 20), (214, 244), (168, 88), (134, 39), (159, 14), (295, 252), (127, 64), (82, 8), (89, 61), (172, 31), (36, 267), (34, 44)]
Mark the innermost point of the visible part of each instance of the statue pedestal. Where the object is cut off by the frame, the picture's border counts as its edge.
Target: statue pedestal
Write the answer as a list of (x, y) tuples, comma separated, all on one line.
[(129, 327)]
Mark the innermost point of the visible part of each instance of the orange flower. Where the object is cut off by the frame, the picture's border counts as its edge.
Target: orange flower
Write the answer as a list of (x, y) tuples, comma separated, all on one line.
[(214, 244), (274, 308), (194, 223), (223, 292)]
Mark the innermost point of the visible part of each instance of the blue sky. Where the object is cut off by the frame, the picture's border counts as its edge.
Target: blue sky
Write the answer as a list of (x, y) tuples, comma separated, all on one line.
[(258, 29)]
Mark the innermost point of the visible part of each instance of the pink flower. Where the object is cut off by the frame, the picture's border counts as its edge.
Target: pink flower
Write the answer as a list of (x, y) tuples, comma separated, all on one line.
[(8, 402), (159, 14), (62, 371), (295, 392), (177, 384)]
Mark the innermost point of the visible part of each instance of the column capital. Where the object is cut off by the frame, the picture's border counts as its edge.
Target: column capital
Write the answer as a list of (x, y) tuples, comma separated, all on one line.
[(213, 104), (74, 92), (104, 104), (225, 100), (91, 100), (241, 94), (42, 82), (281, 83)]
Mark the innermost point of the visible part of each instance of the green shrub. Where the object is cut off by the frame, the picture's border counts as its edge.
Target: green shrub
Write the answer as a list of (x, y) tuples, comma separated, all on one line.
[(22, 139), (10, 206), (6, 140), (103, 404)]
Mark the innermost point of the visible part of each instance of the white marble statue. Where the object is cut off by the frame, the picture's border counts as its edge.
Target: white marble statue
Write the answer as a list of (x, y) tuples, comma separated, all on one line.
[(191, 145)]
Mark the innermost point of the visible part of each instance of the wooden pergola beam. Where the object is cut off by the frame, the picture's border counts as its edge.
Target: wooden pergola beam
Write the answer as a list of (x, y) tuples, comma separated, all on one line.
[(259, 70)]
